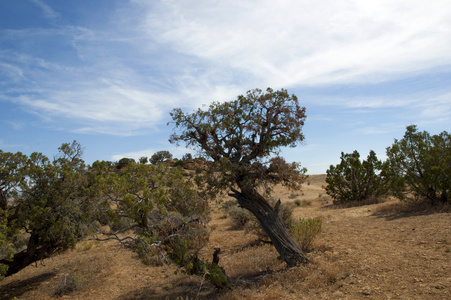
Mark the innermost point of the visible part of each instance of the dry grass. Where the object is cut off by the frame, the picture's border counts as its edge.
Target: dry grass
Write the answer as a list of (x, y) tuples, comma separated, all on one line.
[(386, 250)]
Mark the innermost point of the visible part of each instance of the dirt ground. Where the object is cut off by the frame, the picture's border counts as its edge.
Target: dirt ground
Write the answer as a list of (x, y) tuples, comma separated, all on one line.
[(381, 251)]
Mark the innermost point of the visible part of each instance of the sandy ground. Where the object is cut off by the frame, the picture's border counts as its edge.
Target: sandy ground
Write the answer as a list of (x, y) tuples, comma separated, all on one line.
[(379, 251)]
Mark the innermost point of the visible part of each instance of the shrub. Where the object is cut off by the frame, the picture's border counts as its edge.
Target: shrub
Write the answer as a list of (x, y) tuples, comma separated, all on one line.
[(239, 216), (305, 231), (419, 166), (243, 219), (66, 285), (124, 162), (52, 202), (143, 160), (160, 156), (353, 181)]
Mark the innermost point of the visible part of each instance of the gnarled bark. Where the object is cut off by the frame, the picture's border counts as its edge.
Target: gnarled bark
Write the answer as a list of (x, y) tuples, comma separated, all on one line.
[(3, 200), (32, 254), (268, 218)]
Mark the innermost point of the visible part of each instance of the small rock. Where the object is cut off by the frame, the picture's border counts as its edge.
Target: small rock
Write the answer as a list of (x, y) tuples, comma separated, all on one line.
[(366, 292)]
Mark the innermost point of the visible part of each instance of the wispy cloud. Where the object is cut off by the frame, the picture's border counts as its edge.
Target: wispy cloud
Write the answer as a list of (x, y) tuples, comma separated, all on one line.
[(298, 42), (436, 110), (46, 9), (10, 72), (164, 54), (17, 125), (4, 146), (374, 130)]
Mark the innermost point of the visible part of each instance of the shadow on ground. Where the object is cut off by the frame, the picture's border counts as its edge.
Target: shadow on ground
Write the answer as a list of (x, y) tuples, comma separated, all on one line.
[(399, 210), (18, 288)]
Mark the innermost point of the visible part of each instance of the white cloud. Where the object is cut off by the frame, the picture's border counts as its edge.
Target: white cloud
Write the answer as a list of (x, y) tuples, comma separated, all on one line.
[(17, 124), (436, 109), (4, 145), (122, 82), (288, 43), (10, 72), (374, 130), (46, 9), (113, 107)]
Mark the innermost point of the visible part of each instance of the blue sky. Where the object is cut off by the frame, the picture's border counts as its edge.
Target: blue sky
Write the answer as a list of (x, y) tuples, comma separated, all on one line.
[(107, 73)]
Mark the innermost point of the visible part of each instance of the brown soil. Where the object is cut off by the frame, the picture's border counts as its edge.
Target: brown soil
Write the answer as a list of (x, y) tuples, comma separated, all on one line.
[(382, 251)]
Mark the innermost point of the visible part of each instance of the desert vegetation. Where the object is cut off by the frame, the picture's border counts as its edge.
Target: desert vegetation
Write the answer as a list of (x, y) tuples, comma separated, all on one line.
[(418, 168), (240, 222)]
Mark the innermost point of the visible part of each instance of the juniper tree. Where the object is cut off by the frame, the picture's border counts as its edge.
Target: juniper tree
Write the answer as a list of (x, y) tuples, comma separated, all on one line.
[(419, 166), (50, 204), (242, 139), (356, 180)]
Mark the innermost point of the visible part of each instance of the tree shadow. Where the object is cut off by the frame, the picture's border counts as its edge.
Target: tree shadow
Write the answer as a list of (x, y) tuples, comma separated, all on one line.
[(19, 287), (400, 210), (140, 294), (188, 289)]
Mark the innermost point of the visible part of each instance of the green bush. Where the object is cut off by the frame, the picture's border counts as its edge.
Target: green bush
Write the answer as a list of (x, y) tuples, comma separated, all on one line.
[(305, 230), (353, 180), (419, 166), (124, 162), (160, 156)]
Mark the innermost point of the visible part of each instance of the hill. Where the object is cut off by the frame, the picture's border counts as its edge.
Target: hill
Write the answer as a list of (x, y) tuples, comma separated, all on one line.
[(382, 251)]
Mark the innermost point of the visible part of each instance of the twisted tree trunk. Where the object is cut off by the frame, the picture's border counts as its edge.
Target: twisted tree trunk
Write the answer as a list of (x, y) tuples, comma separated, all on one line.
[(3, 200), (32, 254), (268, 218)]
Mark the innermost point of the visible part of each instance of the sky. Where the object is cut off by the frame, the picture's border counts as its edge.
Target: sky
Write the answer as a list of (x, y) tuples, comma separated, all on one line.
[(107, 73)]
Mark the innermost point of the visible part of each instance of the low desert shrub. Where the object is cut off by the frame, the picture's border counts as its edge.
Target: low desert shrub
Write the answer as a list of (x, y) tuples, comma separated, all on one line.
[(239, 217), (305, 230), (66, 285), (293, 195), (302, 203)]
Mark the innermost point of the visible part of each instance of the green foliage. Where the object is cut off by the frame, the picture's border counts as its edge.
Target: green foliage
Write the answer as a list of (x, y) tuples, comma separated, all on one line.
[(125, 162), (182, 162), (187, 157), (215, 274), (305, 231), (163, 210), (419, 166), (240, 136), (181, 254), (143, 160), (51, 201), (160, 156), (242, 139), (355, 180)]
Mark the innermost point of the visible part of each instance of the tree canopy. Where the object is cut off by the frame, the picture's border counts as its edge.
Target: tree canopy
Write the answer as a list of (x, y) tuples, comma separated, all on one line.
[(419, 166), (243, 139), (355, 180), (50, 204)]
